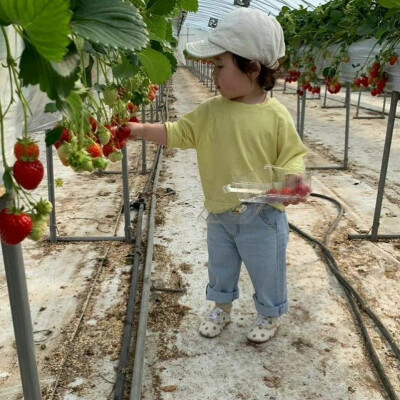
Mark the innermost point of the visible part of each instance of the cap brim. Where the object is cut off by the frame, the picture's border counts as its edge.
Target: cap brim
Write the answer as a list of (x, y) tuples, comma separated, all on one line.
[(204, 49)]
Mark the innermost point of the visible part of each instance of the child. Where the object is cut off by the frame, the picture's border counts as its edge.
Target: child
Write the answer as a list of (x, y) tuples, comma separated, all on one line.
[(239, 131)]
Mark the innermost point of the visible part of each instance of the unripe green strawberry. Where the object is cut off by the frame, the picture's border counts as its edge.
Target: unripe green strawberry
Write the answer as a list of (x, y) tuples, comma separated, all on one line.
[(110, 96), (36, 233), (44, 207), (100, 163), (104, 135), (39, 227), (115, 156)]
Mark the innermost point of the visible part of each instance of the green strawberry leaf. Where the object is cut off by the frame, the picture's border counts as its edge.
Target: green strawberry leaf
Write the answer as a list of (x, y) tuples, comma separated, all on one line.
[(157, 25), (125, 69), (156, 65), (8, 181), (112, 23), (50, 108), (160, 7), (189, 5), (46, 24), (53, 135), (35, 69), (390, 3)]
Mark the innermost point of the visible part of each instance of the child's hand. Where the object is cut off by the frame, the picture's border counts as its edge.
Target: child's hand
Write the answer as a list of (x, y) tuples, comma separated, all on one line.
[(299, 189), (136, 130)]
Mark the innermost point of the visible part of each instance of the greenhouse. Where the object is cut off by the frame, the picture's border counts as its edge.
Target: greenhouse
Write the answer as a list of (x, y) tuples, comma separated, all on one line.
[(199, 199)]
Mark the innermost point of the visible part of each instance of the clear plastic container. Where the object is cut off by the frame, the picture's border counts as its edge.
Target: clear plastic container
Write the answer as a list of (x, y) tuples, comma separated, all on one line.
[(270, 184)]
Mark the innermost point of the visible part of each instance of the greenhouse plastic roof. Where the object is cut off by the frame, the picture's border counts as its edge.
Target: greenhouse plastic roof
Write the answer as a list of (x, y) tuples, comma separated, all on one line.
[(216, 9)]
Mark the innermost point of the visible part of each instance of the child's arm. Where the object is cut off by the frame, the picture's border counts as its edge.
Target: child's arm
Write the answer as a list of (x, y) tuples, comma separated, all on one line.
[(156, 133)]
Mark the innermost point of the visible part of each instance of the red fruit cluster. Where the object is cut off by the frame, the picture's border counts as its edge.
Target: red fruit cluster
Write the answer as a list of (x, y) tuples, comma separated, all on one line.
[(294, 76), (333, 85), (309, 87), (152, 92), (15, 226), (375, 79), (301, 190)]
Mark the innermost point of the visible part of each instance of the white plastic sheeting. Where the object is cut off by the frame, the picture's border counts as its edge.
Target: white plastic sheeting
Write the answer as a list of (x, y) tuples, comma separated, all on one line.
[(13, 123), (218, 8), (361, 55)]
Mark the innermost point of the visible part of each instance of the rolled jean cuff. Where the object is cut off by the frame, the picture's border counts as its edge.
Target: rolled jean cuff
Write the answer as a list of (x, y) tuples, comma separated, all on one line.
[(221, 297), (276, 311)]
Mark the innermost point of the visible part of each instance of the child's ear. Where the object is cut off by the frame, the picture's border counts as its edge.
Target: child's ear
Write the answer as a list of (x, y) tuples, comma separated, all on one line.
[(254, 69)]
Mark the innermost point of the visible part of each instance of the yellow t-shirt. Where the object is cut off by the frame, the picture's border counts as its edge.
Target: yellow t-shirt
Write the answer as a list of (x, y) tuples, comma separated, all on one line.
[(232, 139)]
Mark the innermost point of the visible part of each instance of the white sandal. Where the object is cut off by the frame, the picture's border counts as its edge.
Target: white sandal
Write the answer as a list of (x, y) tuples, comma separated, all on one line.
[(264, 329), (214, 322)]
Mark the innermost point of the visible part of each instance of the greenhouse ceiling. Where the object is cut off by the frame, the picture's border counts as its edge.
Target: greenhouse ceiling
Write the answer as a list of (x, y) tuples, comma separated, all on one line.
[(210, 11)]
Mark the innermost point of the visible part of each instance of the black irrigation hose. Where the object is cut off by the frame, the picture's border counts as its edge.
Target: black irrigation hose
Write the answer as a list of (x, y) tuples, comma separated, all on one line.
[(356, 301)]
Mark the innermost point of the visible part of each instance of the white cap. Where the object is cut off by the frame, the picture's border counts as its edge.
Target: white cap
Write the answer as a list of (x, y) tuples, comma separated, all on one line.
[(246, 32)]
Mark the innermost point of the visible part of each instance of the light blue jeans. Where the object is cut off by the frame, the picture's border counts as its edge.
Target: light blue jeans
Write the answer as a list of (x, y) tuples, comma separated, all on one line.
[(258, 236)]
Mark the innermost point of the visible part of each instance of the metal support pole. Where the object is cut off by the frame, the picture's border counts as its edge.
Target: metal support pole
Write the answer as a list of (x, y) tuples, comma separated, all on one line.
[(21, 316), (347, 126), (298, 113), (125, 187), (51, 193), (302, 114), (381, 187), (144, 146)]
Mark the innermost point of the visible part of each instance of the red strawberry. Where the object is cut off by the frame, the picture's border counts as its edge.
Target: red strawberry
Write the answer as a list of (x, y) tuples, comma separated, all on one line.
[(65, 137), (123, 133), (94, 150), (28, 174), (393, 60), (357, 82), (132, 107), (134, 119), (15, 226), (108, 149), (119, 145), (26, 149), (93, 124), (303, 189)]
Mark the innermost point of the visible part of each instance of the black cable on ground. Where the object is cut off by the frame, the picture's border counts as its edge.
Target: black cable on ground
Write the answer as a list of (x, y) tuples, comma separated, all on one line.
[(356, 301)]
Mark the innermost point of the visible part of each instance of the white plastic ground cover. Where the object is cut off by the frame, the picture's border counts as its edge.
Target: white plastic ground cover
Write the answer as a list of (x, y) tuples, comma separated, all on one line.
[(361, 55)]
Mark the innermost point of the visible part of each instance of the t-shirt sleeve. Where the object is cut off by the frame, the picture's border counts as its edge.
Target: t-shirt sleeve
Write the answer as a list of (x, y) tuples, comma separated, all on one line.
[(291, 150), (183, 134)]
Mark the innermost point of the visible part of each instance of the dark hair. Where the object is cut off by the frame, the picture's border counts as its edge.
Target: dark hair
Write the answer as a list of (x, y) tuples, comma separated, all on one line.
[(266, 79)]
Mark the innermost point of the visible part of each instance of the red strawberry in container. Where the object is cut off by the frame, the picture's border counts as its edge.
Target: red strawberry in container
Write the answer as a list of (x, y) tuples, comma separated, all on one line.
[(28, 174), (15, 226)]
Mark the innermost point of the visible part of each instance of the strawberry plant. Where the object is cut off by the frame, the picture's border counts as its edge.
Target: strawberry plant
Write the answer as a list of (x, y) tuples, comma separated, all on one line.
[(127, 45)]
